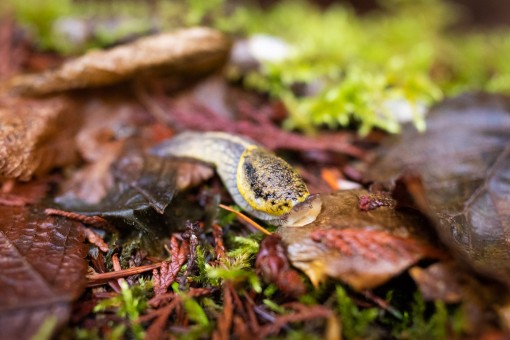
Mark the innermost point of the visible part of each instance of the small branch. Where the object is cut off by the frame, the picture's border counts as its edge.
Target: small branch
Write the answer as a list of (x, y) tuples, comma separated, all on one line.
[(246, 219)]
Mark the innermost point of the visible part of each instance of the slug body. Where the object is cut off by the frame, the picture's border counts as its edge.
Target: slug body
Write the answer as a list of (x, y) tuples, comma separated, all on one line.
[(261, 183)]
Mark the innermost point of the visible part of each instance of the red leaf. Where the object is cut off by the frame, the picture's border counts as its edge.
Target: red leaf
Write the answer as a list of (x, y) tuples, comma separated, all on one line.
[(273, 265), (372, 245), (169, 270)]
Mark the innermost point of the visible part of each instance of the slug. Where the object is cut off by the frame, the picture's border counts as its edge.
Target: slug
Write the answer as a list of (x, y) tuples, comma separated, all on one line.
[(262, 184)]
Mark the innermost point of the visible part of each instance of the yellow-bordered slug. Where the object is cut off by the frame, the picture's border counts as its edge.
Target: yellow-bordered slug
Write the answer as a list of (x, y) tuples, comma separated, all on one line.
[(261, 183)]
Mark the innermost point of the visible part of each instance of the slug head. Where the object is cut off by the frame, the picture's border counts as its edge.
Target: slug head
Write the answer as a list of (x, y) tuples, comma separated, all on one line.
[(303, 213), (268, 183)]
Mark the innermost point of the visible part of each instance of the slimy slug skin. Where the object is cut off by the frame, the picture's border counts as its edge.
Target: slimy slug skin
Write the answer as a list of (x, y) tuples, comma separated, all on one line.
[(262, 184)]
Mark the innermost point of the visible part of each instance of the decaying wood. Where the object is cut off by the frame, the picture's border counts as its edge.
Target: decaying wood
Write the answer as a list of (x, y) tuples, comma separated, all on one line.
[(36, 136)]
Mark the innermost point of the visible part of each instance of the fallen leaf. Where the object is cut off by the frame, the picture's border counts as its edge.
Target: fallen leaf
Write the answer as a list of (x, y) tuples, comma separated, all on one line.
[(36, 135), (186, 52), (436, 282), (143, 187), (361, 248), (273, 266), (109, 119), (42, 270), (464, 161), (168, 271), (13, 50)]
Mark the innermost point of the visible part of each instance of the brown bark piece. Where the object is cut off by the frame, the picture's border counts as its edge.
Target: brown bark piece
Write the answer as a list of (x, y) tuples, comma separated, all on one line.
[(36, 136)]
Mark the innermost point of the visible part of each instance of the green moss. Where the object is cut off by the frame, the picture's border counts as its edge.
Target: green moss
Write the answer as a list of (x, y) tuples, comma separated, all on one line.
[(129, 304), (355, 322), (361, 67), (429, 321), (404, 54)]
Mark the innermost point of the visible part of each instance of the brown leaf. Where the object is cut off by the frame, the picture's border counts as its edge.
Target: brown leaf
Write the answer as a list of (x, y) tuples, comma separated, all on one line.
[(100, 142), (219, 247), (437, 282), (42, 270), (464, 161), (12, 49), (273, 265), (192, 51), (36, 135), (169, 270), (364, 249), (222, 331), (480, 300), (186, 115), (371, 245)]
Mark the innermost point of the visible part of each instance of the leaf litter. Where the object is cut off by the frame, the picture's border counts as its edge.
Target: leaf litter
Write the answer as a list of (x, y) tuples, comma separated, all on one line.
[(362, 238), (463, 160), (42, 268)]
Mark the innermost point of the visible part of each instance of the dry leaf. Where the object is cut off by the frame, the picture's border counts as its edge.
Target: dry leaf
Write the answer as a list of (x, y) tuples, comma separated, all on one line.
[(436, 282), (42, 270), (464, 161), (186, 52), (361, 248), (36, 135), (273, 266)]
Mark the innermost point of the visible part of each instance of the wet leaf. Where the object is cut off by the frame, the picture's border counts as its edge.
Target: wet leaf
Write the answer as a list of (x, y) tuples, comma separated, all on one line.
[(36, 135), (143, 188), (187, 52), (42, 270), (362, 248), (464, 161)]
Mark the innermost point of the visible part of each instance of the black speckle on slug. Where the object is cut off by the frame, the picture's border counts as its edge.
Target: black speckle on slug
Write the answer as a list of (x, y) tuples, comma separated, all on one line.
[(268, 183)]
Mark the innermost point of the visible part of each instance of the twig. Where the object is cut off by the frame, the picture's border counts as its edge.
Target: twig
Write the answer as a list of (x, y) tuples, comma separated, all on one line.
[(95, 221), (95, 239), (222, 331), (309, 313), (246, 219), (100, 278), (219, 247)]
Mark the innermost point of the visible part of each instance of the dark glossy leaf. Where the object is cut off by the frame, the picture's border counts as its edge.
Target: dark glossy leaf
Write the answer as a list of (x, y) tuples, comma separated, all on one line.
[(362, 248), (464, 161), (143, 189), (42, 270)]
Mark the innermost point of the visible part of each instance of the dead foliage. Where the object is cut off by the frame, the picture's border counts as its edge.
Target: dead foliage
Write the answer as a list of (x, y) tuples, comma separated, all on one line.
[(361, 248), (273, 266), (187, 51), (42, 269), (463, 160), (168, 271), (36, 135)]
